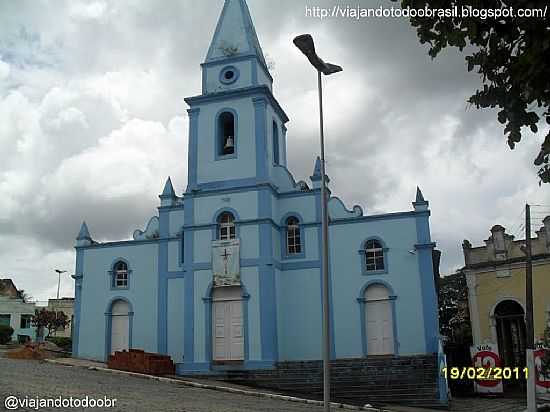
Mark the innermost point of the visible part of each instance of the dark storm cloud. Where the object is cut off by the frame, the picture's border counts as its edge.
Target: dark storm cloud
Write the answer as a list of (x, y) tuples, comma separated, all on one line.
[(93, 133)]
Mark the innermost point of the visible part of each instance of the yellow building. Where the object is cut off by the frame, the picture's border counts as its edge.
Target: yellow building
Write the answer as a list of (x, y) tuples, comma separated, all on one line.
[(495, 275)]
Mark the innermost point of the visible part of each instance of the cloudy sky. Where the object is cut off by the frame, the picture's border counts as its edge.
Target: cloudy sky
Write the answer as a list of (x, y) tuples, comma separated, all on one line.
[(92, 121)]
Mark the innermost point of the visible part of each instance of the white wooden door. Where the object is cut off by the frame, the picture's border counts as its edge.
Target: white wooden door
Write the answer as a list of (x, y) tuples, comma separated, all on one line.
[(380, 339), (120, 326), (236, 344), (219, 331), (227, 325)]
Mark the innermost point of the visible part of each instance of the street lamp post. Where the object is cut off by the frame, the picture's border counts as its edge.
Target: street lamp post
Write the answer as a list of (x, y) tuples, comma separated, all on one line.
[(305, 43), (59, 272)]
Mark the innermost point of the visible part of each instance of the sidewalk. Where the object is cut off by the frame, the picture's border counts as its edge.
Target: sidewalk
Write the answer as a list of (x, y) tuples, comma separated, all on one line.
[(478, 404), (205, 384), (95, 365), (457, 405)]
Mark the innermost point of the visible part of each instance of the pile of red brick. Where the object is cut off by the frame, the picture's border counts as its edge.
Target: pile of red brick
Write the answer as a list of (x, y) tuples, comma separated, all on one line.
[(136, 360)]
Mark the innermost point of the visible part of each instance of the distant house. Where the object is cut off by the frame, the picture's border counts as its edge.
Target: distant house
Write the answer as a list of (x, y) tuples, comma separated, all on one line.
[(495, 274), (64, 305), (15, 312)]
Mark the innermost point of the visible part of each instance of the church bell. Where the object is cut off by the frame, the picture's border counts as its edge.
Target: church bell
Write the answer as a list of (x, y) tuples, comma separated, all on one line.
[(229, 143)]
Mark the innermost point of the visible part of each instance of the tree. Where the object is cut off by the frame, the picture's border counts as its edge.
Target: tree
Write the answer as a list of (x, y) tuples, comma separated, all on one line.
[(454, 320), (512, 56), (50, 320)]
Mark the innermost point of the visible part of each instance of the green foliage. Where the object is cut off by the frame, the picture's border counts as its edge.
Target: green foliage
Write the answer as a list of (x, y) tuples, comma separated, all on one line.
[(454, 321), (511, 55), (63, 342), (50, 320), (5, 334)]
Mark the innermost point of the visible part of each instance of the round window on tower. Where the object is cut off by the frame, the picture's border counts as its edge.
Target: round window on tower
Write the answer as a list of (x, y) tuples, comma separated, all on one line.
[(229, 74)]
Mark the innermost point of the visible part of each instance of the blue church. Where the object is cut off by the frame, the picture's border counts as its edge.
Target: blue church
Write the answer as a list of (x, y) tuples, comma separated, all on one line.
[(227, 276)]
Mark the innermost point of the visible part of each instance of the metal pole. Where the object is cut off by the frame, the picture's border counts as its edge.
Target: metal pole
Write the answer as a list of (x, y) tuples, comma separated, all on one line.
[(531, 389), (58, 283), (324, 229), (529, 280)]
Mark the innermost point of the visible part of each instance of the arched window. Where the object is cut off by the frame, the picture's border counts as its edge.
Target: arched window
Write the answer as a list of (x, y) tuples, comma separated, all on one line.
[(226, 226), (121, 275), (293, 240), (374, 255), (275, 143), (226, 131)]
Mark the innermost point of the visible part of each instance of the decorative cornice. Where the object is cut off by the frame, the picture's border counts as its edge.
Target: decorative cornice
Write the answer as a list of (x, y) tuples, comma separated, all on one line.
[(425, 245), (242, 92), (194, 112), (510, 261)]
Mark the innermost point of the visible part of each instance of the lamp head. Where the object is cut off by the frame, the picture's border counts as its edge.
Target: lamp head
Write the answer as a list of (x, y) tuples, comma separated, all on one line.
[(305, 43)]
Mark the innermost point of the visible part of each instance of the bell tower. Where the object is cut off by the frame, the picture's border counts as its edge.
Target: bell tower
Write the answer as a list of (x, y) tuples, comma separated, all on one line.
[(236, 126)]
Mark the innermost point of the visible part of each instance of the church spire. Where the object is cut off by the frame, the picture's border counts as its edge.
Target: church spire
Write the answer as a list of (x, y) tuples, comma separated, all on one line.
[(316, 169), (419, 195), (420, 204), (84, 238), (168, 196), (168, 189), (316, 177), (235, 34), (236, 100)]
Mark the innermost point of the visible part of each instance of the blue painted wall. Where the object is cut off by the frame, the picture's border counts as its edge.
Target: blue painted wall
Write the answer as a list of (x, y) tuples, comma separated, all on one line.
[(399, 235), (175, 320), (97, 293), (299, 314)]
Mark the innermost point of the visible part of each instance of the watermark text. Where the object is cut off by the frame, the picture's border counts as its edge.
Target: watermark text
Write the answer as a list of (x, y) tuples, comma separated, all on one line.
[(13, 402), (358, 12)]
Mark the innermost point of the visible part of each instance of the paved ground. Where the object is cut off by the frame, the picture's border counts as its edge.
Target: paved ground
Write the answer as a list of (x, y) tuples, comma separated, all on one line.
[(39, 379), (24, 378), (83, 363), (458, 405)]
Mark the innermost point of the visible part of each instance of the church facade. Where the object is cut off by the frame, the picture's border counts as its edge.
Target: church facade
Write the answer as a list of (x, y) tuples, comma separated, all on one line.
[(228, 275)]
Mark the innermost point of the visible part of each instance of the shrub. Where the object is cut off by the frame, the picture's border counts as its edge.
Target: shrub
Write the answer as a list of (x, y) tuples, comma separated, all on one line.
[(5, 334), (63, 342)]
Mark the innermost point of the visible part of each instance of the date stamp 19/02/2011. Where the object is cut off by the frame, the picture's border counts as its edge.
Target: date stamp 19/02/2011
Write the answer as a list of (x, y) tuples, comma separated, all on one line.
[(496, 373)]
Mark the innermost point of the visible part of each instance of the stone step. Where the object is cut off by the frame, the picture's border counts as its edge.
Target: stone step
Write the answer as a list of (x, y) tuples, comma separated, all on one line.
[(378, 380), (338, 380)]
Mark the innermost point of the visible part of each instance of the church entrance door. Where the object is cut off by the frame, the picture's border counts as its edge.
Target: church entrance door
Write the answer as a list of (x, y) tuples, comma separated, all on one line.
[(227, 324), (120, 326), (380, 339)]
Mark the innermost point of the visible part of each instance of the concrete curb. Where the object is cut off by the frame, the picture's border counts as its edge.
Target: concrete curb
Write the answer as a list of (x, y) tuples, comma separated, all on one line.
[(334, 405)]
